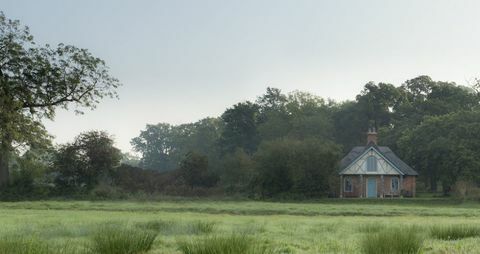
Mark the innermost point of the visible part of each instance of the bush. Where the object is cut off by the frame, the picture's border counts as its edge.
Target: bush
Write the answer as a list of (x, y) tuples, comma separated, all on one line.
[(466, 190), (454, 232), (392, 240), (233, 244), (122, 240)]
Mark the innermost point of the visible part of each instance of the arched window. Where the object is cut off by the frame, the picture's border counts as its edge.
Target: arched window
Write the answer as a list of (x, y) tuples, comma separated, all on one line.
[(372, 164), (348, 186)]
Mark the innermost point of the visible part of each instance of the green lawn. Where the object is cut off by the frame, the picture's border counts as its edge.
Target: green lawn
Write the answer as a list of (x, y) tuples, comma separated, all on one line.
[(325, 226)]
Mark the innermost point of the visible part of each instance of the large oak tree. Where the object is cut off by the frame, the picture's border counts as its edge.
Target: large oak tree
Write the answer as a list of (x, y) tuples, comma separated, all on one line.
[(37, 80)]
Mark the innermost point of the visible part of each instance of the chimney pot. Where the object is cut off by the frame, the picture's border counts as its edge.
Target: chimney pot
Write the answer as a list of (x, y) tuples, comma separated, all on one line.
[(372, 136)]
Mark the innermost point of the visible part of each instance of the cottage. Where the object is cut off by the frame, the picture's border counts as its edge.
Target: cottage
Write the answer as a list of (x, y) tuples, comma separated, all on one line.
[(375, 171)]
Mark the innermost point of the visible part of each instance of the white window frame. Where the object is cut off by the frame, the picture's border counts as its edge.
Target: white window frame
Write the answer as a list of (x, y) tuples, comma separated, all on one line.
[(345, 184)]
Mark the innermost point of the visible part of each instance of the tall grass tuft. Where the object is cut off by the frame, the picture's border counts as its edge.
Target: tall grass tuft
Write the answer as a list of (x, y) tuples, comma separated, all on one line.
[(23, 245), (120, 239), (454, 232), (393, 240), (173, 227), (233, 244), (201, 227), (370, 228)]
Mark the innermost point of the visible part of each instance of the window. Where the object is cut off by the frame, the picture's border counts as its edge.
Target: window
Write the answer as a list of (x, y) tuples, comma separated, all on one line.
[(395, 184), (348, 186), (371, 164)]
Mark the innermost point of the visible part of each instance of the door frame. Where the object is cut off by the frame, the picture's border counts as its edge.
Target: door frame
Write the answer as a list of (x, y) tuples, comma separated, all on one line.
[(366, 189)]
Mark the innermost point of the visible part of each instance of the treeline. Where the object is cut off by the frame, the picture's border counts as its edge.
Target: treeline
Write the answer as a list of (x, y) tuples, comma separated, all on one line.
[(280, 145), (290, 144)]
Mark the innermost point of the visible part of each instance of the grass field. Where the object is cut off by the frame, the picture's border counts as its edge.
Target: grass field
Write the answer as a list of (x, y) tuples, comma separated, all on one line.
[(325, 226)]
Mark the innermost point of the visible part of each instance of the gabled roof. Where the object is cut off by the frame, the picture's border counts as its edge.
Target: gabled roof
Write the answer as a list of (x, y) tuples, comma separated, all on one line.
[(384, 151)]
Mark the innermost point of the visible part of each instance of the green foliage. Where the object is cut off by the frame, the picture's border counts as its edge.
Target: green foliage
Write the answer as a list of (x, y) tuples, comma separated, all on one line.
[(293, 166), (120, 239), (36, 80), (163, 146), (454, 232), (240, 128), (238, 172), (81, 164), (445, 148), (401, 240), (232, 244), (194, 170)]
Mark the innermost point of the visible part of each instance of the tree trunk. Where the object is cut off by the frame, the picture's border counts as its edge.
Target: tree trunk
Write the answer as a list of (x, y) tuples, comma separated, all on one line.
[(4, 170), (5, 150)]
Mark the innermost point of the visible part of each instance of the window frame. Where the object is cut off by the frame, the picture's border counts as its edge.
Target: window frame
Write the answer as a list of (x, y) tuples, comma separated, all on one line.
[(349, 179), (372, 164), (398, 184)]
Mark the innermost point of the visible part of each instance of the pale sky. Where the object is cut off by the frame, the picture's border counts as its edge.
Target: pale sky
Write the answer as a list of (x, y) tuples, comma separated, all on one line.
[(180, 61)]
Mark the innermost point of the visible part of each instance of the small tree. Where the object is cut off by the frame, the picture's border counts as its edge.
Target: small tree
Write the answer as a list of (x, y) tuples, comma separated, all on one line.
[(80, 164)]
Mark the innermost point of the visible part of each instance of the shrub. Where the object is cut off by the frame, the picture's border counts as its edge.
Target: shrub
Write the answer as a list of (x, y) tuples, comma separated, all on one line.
[(392, 240), (454, 232), (122, 240), (466, 190), (233, 244)]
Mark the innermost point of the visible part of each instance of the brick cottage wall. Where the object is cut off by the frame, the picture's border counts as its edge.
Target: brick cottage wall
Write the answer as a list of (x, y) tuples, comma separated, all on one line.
[(359, 189)]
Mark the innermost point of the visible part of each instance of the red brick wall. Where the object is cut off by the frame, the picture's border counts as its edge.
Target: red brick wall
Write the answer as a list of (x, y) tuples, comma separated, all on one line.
[(359, 189)]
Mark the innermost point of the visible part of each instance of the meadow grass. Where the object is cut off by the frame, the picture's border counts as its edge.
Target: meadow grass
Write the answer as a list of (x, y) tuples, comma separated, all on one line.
[(233, 244), (121, 239), (454, 232), (180, 226), (23, 245), (394, 240)]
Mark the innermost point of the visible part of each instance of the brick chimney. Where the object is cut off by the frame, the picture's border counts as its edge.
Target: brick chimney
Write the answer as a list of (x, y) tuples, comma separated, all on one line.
[(372, 135)]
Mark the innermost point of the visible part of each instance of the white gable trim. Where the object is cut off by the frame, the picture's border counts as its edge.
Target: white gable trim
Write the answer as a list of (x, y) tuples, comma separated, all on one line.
[(379, 153)]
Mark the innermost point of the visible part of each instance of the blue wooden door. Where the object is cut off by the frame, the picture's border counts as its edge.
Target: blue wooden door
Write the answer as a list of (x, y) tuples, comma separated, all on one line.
[(371, 187)]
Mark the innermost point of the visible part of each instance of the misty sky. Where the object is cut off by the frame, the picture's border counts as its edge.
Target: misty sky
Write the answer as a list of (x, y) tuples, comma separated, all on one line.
[(180, 61)]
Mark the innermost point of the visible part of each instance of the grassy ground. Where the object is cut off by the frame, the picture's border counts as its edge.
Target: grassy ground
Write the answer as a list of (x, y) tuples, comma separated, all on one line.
[(326, 226)]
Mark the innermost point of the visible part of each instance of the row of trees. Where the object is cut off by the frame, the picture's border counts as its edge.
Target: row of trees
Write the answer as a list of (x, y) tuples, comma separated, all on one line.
[(279, 144)]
